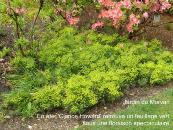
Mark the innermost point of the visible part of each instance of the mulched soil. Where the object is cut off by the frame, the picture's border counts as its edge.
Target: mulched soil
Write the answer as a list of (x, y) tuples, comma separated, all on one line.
[(51, 121)]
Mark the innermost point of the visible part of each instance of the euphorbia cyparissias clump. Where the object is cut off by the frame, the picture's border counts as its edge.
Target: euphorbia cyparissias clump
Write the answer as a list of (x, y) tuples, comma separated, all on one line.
[(128, 12)]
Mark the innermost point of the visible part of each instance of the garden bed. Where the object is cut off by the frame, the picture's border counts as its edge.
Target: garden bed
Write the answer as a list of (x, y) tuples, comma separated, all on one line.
[(55, 61), (53, 123)]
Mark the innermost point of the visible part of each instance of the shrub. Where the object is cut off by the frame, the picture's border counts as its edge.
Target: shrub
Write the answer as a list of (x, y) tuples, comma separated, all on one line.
[(19, 101), (21, 64), (128, 16), (47, 98), (69, 73), (29, 103), (162, 73), (79, 94)]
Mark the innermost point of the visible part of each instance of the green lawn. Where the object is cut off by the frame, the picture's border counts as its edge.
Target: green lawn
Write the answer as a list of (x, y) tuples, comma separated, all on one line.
[(149, 109)]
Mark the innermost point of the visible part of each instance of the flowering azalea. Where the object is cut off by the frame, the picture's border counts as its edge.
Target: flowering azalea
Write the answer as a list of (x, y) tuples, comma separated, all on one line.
[(145, 15), (134, 19), (165, 5), (71, 20), (155, 7), (118, 12), (107, 3), (127, 4), (97, 24), (146, 1), (115, 14), (129, 27)]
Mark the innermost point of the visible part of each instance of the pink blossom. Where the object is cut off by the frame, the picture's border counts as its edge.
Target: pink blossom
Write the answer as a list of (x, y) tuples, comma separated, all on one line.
[(129, 27), (104, 14), (71, 20), (97, 25), (115, 11), (114, 14), (107, 3), (127, 4), (146, 1), (119, 4), (165, 5), (134, 19), (20, 11), (160, 6), (155, 7), (139, 4), (145, 15)]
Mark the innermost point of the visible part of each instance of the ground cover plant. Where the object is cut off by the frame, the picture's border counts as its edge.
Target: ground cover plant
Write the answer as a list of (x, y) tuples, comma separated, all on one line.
[(57, 63), (73, 75), (150, 109)]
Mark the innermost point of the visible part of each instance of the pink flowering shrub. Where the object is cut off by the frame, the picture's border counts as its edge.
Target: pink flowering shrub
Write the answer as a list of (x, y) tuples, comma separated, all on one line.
[(97, 25), (71, 20), (129, 14), (126, 15)]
